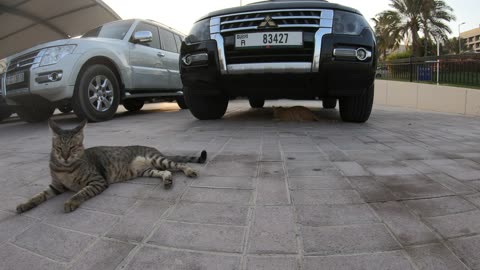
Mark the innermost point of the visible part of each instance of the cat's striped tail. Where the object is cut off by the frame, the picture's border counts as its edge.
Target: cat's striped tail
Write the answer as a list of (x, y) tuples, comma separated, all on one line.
[(189, 159)]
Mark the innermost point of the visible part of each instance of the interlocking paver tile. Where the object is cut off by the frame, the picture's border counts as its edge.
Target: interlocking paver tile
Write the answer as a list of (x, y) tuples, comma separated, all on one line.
[(456, 225), (12, 224), (350, 168), (413, 186), (272, 263), (435, 257), (440, 206), (336, 214), (53, 242), (151, 258), (371, 190), (205, 237), (14, 258), (272, 231), (468, 250), (394, 260), (319, 182), (452, 184), (105, 255), (361, 238), (224, 182), (408, 229), (83, 221), (325, 197), (227, 214), (218, 195), (272, 191), (139, 222)]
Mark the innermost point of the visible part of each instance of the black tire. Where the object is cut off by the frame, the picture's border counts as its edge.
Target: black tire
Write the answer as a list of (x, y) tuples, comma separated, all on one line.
[(34, 113), (206, 107), (181, 102), (133, 105), (357, 109), (329, 103), (108, 97), (5, 111), (256, 103), (65, 108)]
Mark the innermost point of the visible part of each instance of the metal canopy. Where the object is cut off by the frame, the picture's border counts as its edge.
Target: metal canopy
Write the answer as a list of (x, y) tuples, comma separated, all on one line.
[(26, 23)]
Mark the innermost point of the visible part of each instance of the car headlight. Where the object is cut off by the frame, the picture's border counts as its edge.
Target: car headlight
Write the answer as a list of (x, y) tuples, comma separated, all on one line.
[(200, 32), (52, 55), (348, 23)]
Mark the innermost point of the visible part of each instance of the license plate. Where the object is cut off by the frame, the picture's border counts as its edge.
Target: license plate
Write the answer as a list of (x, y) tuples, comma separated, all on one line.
[(15, 78), (269, 39)]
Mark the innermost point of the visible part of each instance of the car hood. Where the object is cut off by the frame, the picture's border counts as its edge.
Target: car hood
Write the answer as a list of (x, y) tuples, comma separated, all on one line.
[(266, 5), (78, 41)]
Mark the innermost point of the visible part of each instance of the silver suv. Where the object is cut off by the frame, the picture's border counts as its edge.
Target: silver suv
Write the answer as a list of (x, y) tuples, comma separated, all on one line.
[(123, 62)]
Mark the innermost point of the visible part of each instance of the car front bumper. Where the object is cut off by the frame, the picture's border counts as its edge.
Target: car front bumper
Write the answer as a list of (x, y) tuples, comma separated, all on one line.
[(323, 74), (48, 83)]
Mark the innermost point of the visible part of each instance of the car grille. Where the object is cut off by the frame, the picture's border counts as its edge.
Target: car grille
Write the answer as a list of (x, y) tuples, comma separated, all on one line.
[(283, 18), (23, 62)]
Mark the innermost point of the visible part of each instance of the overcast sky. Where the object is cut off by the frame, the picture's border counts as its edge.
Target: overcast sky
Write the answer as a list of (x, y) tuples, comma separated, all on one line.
[(180, 14)]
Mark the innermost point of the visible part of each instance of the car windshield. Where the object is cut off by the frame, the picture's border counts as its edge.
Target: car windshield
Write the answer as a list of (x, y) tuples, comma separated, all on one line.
[(114, 30)]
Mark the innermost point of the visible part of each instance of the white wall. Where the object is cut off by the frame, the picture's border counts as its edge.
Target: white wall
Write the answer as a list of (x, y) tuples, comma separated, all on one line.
[(428, 97)]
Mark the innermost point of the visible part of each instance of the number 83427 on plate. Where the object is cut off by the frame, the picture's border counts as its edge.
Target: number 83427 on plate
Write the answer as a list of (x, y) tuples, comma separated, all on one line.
[(269, 39)]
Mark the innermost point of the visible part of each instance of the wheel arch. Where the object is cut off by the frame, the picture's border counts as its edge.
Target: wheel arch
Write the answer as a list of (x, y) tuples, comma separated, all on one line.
[(102, 60)]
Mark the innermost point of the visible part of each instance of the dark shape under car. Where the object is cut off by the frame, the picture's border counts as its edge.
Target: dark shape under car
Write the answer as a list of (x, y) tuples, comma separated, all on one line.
[(304, 50)]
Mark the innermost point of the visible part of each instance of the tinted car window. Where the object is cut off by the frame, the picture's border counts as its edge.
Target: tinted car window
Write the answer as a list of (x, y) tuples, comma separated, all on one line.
[(155, 43), (115, 30), (178, 40), (168, 40)]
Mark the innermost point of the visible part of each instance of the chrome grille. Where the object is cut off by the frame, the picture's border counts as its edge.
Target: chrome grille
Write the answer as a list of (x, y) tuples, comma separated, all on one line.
[(282, 18), (23, 62)]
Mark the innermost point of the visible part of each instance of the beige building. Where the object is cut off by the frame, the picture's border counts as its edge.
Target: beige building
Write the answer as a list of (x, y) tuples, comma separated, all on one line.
[(472, 39)]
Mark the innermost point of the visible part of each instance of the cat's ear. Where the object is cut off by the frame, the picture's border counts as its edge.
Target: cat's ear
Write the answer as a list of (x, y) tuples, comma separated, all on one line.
[(54, 127), (80, 127)]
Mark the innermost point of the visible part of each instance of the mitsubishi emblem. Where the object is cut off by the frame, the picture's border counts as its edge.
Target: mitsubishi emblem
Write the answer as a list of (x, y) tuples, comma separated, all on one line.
[(267, 23)]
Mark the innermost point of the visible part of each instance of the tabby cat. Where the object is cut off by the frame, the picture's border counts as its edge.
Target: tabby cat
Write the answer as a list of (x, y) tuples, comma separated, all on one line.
[(296, 113), (88, 172)]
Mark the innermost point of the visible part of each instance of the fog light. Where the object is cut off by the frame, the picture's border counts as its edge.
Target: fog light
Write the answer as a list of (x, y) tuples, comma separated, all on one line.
[(187, 59), (362, 54), (195, 59), (54, 76)]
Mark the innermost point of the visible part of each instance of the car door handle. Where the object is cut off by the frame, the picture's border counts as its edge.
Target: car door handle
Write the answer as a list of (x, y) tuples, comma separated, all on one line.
[(160, 54)]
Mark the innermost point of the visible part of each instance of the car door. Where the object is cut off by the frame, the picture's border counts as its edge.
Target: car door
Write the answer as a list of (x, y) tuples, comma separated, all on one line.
[(149, 69), (172, 57)]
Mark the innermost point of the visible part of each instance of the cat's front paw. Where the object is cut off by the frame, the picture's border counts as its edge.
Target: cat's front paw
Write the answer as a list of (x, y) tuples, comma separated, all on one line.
[(70, 206), (24, 207), (191, 172)]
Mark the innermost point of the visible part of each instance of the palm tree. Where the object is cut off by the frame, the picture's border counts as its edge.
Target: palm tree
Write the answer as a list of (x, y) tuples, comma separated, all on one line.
[(412, 16), (386, 31), (435, 15)]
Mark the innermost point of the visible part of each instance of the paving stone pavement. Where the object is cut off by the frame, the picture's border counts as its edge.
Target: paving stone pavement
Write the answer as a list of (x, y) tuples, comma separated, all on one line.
[(399, 192)]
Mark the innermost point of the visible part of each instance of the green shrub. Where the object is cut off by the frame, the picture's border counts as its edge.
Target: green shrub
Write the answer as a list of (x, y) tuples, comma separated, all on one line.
[(399, 55)]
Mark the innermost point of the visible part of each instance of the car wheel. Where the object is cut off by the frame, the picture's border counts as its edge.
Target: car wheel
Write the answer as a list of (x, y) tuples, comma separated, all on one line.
[(206, 107), (329, 103), (34, 113), (97, 95), (181, 102), (65, 108), (357, 109), (5, 112), (256, 102), (133, 105)]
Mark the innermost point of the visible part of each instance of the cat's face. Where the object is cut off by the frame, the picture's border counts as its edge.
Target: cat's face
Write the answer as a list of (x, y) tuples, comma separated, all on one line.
[(67, 145)]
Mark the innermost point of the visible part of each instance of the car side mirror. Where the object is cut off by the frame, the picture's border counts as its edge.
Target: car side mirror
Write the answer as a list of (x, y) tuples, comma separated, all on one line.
[(142, 37)]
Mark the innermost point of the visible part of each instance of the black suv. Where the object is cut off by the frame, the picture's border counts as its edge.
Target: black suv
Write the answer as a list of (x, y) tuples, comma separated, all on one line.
[(275, 49)]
